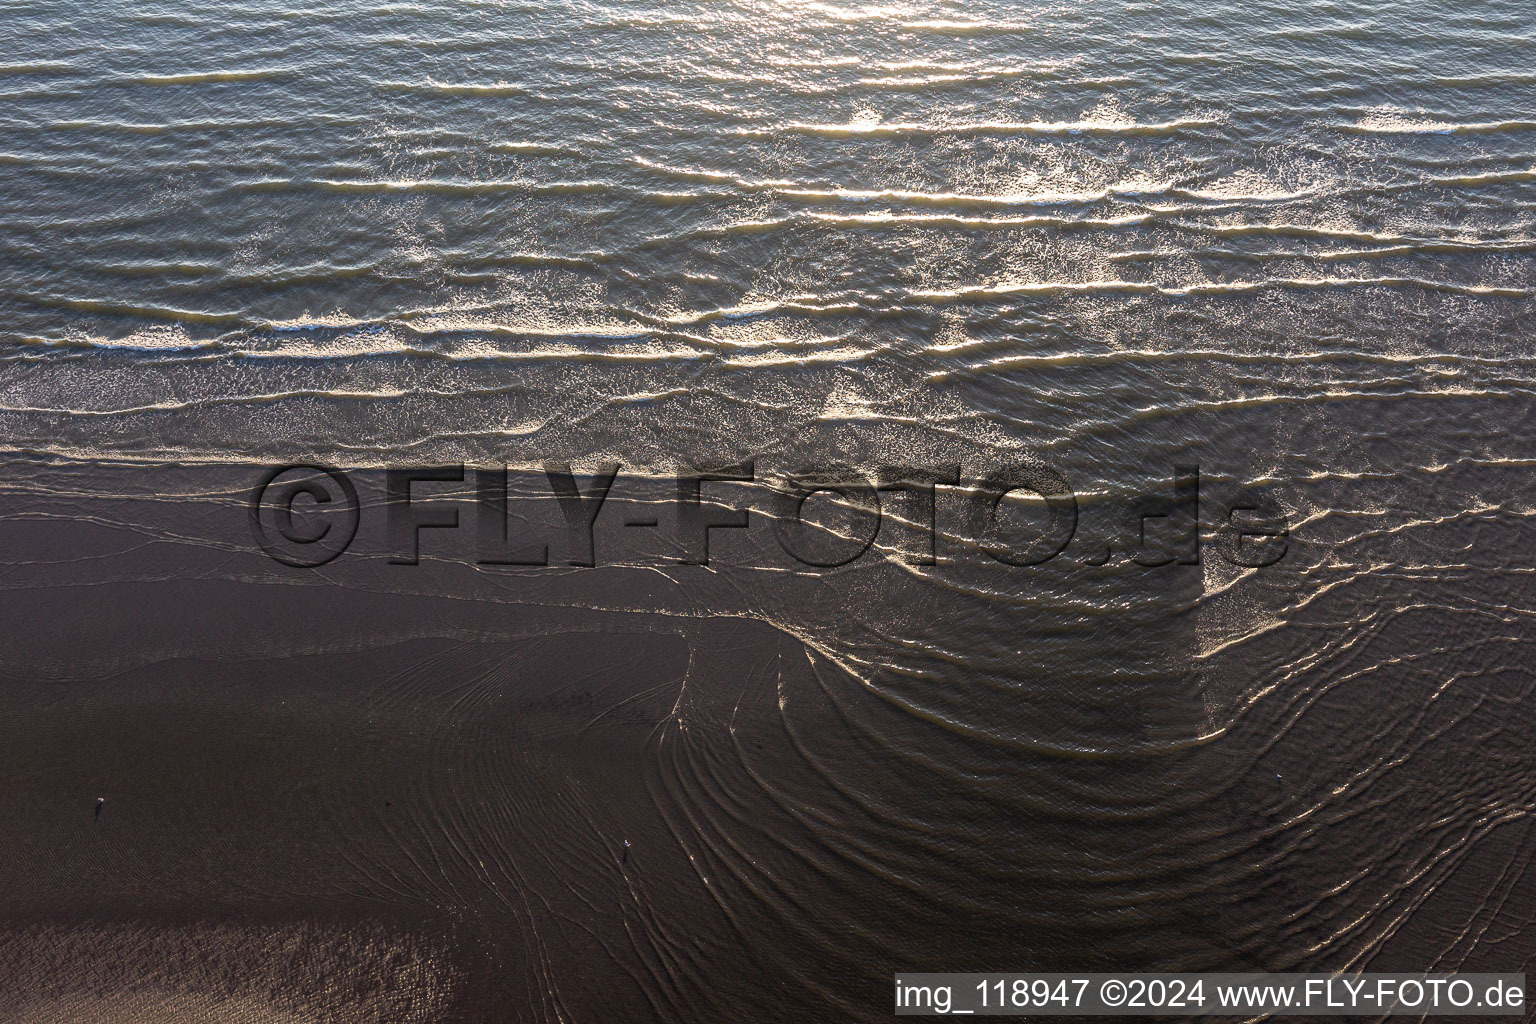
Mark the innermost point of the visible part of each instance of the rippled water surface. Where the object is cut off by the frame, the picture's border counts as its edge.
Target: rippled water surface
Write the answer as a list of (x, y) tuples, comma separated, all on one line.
[(491, 228), (1290, 244)]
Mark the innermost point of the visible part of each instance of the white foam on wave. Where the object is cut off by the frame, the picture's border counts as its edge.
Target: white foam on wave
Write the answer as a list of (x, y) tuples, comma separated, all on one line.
[(1249, 187), (1093, 125), (956, 26), (711, 175), (159, 338), (1205, 288), (1389, 121), (432, 85), (1487, 178), (206, 77), (868, 12), (1002, 199)]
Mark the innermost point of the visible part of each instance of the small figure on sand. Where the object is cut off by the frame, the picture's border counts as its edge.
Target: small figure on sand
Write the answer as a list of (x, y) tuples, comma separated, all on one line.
[(625, 859), (99, 801)]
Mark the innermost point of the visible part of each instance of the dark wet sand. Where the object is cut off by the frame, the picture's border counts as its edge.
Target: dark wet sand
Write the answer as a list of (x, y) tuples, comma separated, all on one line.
[(372, 792)]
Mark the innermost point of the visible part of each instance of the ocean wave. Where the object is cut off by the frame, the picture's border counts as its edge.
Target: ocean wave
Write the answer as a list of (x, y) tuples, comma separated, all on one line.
[(707, 174), (533, 148), (458, 88), (871, 12), (1207, 288), (963, 199), (1061, 359), (141, 310), (440, 186), (1424, 248), (1244, 190), (37, 67), (953, 220), (952, 26), (816, 65), (1487, 178), (199, 77), (1398, 123), (1489, 78), (152, 339), (874, 127), (1325, 232), (128, 127), (915, 197), (161, 128), (887, 219)]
